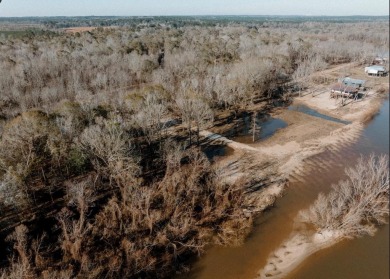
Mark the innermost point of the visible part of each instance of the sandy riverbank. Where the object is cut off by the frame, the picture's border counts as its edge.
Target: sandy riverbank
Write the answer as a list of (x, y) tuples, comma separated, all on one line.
[(281, 157), (294, 251), (300, 246)]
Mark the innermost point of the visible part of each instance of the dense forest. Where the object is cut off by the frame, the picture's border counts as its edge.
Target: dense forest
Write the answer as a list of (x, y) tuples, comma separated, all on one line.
[(179, 21), (102, 170)]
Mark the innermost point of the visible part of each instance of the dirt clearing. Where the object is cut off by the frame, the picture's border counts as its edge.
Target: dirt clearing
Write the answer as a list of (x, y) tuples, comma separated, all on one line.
[(80, 29)]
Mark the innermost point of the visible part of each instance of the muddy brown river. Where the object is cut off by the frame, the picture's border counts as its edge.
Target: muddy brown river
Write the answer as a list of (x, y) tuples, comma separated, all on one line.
[(362, 258)]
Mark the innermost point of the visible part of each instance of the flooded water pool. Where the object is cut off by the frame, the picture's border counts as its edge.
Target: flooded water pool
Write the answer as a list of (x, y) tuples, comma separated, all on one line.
[(362, 258), (265, 127), (312, 112)]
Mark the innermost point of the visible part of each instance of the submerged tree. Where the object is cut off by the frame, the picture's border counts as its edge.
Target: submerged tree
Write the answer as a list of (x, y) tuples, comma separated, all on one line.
[(357, 205)]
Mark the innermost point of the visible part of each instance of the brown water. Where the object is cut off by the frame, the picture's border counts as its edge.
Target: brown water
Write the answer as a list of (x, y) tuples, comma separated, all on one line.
[(362, 258)]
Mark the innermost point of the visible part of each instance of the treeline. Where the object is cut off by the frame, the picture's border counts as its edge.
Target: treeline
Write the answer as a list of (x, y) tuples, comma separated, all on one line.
[(183, 21), (224, 66), (98, 160)]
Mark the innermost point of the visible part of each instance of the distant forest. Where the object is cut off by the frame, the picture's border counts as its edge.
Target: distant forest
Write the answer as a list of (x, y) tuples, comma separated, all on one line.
[(180, 21)]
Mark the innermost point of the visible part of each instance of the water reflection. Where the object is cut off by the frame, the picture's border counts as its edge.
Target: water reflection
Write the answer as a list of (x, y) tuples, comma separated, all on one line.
[(312, 112), (264, 126)]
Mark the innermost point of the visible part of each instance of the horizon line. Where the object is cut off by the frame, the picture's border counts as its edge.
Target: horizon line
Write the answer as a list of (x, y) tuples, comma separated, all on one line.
[(199, 15)]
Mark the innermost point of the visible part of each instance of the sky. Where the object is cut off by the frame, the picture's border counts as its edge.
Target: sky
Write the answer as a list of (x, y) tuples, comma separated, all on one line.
[(11, 8)]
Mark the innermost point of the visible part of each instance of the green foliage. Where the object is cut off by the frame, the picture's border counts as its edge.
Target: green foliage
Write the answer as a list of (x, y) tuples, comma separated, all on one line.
[(101, 111), (137, 46), (30, 149), (27, 34), (77, 161)]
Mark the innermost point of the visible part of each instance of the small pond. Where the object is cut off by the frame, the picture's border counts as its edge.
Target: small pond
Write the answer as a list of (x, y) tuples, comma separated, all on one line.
[(265, 127), (306, 110)]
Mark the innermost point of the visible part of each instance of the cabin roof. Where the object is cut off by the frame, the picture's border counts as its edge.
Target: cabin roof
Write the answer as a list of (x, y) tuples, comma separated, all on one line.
[(352, 81), (376, 68), (345, 88)]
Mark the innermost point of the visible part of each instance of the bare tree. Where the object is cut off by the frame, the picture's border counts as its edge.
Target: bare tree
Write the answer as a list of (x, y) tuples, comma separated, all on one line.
[(149, 118), (109, 148), (357, 205), (194, 109), (21, 245), (74, 232)]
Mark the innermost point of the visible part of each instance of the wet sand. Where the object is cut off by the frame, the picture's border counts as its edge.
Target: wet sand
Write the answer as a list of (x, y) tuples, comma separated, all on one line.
[(294, 251)]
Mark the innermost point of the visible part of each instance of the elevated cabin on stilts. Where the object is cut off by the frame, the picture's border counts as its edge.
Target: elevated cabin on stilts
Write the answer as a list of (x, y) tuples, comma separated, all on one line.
[(342, 90), (347, 88)]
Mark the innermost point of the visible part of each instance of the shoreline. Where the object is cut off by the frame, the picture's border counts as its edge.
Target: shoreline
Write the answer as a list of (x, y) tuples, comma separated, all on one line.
[(280, 160), (299, 246), (294, 251), (286, 159)]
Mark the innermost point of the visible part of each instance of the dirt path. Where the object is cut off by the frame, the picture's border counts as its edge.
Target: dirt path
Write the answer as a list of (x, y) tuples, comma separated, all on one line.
[(329, 73), (212, 137), (80, 29), (336, 68)]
